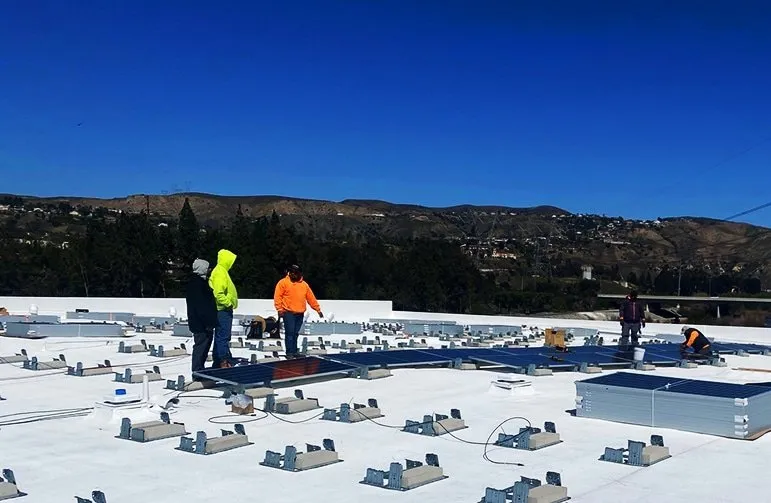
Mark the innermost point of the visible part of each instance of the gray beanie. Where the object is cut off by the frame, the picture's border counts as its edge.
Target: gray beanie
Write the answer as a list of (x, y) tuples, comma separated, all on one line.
[(200, 267)]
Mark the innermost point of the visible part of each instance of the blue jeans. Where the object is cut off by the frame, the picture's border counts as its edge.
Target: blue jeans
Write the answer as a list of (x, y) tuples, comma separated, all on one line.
[(293, 322), (221, 350)]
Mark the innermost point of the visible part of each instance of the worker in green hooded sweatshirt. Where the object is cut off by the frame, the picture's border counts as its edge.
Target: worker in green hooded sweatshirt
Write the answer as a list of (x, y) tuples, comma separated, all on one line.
[(226, 297)]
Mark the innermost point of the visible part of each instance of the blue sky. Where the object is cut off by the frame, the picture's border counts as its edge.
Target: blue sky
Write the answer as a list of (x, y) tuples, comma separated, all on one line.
[(638, 109)]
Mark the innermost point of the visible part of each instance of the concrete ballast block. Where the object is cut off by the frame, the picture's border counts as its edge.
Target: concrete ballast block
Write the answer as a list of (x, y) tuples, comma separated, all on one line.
[(447, 425), (97, 371), (261, 392), (592, 370), (225, 442), (378, 374), (364, 413), (420, 475), (294, 405), (8, 490), (157, 432), (547, 494), (543, 439), (541, 372), (314, 459), (653, 453), (646, 367), (467, 366)]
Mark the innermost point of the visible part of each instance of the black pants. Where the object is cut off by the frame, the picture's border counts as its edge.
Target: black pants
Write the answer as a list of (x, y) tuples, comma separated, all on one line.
[(201, 345)]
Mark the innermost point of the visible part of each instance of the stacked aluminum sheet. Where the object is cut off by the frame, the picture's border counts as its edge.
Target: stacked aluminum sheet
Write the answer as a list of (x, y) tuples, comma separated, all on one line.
[(433, 329), (495, 330), (714, 408), (26, 330), (331, 328)]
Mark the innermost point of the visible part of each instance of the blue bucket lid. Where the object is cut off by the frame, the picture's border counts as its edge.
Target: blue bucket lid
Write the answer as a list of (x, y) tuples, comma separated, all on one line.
[(120, 391)]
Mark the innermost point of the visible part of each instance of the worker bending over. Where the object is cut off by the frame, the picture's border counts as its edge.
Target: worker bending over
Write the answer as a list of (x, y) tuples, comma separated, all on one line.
[(697, 341)]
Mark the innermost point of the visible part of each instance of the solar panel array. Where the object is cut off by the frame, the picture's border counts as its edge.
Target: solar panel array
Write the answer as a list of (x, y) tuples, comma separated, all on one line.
[(515, 357), (715, 408), (263, 374)]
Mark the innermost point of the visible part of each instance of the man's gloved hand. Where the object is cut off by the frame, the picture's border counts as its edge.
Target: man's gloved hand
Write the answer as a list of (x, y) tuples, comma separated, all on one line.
[(321, 315)]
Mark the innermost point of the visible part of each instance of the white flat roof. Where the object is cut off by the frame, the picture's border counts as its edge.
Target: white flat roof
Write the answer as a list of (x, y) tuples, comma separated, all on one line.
[(57, 459)]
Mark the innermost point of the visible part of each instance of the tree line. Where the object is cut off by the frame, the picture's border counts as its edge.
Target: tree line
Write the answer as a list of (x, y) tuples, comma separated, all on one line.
[(139, 255)]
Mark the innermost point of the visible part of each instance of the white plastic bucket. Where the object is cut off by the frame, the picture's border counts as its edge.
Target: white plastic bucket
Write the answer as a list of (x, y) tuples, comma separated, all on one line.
[(639, 354)]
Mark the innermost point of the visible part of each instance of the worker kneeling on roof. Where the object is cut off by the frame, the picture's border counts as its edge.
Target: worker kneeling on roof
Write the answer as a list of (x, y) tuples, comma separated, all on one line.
[(695, 340)]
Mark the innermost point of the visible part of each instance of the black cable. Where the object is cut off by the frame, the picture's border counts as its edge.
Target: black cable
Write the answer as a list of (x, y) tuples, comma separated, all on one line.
[(249, 419), (486, 443)]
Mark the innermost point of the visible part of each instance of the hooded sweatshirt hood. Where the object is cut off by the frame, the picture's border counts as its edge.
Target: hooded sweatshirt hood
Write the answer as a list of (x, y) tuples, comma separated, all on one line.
[(226, 258), (224, 290), (200, 267)]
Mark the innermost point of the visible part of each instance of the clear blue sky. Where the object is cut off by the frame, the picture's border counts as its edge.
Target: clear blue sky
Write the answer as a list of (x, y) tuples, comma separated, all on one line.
[(609, 107)]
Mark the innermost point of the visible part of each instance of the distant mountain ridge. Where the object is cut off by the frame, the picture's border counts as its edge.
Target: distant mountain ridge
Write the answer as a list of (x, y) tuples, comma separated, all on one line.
[(546, 230)]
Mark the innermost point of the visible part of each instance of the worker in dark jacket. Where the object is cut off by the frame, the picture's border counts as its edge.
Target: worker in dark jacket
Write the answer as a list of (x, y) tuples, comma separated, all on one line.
[(697, 341), (201, 313), (632, 319)]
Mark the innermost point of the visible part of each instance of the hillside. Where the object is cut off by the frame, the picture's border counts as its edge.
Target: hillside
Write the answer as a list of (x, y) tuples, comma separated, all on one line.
[(494, 235)]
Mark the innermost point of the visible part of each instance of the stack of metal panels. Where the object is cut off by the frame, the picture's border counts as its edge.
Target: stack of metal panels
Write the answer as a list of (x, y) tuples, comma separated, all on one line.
[(495, 330), (433, 329), (331, 328), (714, 408), (40, 330), (580, 331), (100, 316)]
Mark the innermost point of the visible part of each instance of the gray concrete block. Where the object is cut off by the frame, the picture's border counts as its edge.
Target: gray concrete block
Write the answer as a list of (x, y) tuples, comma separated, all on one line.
[(261, 392), (467, 366), (365, 413), (378, 374), (225, 442), (543, 439), (653, 453), (547, 494), (151, 377), (8, 490), (157, 431), (646, 367), (13, 359), (97, 371), (420, 475), (541, 372), (448, 425), (592, 370), (294, 405), (314, 459)]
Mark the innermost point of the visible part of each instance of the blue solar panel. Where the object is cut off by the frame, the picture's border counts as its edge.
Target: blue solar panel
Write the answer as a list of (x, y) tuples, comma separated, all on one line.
[(284, 370), (395, 358), (523, 361), (662, 384), (629, 380), (718, 389)]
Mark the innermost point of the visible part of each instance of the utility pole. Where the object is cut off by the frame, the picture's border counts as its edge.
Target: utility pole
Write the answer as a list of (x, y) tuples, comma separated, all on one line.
[(679, 277)]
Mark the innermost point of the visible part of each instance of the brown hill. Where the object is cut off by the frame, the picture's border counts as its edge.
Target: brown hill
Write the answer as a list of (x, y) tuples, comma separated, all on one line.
[(598, 240)]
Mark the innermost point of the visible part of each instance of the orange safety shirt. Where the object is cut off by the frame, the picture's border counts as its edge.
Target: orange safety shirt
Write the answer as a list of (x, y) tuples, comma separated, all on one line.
[(292, 296)]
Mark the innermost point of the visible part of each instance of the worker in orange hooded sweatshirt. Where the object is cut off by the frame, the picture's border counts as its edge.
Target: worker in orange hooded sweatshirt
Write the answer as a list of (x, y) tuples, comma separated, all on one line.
[(291, 298)]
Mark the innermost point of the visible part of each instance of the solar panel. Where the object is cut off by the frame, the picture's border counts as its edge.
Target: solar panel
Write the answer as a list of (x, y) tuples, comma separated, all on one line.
[(676, 385), (717, 389), (636, 381), (272, 372), (523, 361), (395, 358)]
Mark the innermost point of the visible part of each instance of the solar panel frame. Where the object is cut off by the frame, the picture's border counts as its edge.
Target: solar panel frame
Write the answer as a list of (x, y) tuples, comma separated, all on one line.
[(263, 373)]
